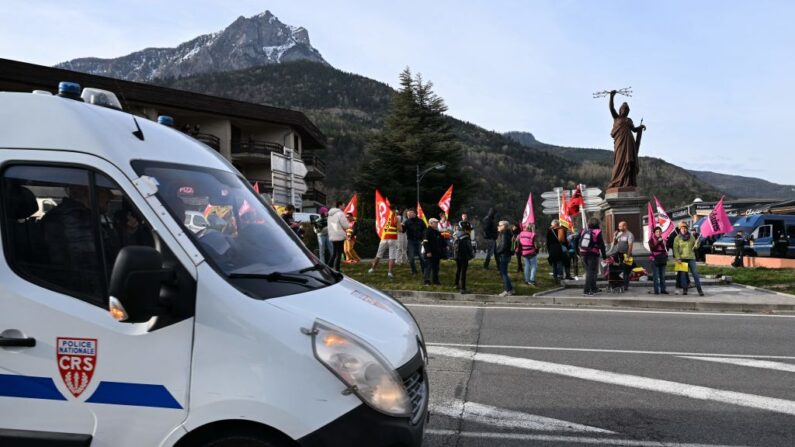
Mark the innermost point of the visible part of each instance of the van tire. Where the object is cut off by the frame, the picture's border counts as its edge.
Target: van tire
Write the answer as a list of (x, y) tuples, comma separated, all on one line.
[(243, 440), (238, 437)]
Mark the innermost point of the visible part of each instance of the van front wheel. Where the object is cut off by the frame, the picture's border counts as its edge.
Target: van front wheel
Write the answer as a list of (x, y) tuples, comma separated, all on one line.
[(242, 438)]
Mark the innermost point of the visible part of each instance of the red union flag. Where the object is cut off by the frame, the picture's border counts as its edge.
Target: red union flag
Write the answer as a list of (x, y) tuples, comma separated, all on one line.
[(421, 214), (444, 202), (352, 207), (381, 212), (717, 222), (563, 214), (528, 217), (77, 360)]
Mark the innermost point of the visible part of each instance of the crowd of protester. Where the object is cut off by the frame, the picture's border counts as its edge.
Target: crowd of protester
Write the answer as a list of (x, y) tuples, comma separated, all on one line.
[(408, 239)]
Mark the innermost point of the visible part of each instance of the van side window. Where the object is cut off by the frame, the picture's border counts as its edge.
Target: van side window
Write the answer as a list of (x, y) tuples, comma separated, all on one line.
[(64, 226)]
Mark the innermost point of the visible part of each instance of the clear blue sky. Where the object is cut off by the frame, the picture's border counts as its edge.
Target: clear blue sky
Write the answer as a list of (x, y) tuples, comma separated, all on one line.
[(712, 79)]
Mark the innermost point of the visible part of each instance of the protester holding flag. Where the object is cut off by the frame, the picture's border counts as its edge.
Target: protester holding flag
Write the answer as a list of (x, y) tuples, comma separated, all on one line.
[(591, 246), (685, 253), (658, 253), (387, 227), (659, 260), (351, 257), (414, 228), (529, 251)]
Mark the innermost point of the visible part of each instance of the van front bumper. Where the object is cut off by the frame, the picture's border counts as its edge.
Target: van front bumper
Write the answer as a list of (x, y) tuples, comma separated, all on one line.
[(364, 426)]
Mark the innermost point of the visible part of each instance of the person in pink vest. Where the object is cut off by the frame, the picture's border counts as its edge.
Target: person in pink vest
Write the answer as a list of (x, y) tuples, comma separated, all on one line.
[(528, 249), (591, 246)]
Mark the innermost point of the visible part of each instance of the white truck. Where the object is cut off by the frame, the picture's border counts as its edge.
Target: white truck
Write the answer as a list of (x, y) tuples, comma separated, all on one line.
[(122, 326)]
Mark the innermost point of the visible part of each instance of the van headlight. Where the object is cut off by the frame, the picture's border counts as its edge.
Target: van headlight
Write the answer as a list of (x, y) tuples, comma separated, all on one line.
[(366, 372)]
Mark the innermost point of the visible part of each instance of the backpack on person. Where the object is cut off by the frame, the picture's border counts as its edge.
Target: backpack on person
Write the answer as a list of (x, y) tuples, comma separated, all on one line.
[(587, 241)]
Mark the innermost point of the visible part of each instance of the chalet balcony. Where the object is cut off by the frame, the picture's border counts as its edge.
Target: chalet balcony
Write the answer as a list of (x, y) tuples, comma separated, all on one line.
[(208, 139), (315, 196), (254, 150), (315, 166)]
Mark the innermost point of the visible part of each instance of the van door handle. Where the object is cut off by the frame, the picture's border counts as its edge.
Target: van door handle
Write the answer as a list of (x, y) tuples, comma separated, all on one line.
[(6, 342)]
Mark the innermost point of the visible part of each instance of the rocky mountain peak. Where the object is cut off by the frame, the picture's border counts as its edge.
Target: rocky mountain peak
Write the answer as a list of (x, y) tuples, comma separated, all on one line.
[(247, 42)]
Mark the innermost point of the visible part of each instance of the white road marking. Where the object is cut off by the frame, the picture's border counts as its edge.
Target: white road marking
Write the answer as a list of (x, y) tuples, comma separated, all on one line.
[(778, 366), (500, 417), (569, 309), (611, 351), (643, 383), (567, 439)]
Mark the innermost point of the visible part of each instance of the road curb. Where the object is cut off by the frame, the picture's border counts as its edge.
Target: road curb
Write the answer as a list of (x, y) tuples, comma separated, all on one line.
[(762, 289), (544, 298)]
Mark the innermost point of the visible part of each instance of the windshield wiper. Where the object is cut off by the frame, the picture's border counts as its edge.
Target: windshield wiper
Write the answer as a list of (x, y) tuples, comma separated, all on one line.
[(272, 277), (318, 266), (321, 266)]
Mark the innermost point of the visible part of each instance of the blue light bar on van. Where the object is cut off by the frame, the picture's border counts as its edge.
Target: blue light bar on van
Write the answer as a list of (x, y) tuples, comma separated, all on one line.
[(165, 120), (69, 90)]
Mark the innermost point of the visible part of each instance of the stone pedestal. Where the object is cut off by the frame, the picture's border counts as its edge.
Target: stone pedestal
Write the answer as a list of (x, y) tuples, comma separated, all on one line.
[(624, 204)]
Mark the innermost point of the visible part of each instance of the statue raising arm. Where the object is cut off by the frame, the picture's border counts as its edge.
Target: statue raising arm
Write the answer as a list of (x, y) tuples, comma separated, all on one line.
[(612, 104)]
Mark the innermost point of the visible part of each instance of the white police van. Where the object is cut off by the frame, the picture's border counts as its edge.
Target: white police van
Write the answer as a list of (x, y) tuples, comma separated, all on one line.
[(121, 327)]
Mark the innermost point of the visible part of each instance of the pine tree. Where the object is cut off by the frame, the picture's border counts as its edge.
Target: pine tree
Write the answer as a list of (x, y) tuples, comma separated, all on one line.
[(416, 133)]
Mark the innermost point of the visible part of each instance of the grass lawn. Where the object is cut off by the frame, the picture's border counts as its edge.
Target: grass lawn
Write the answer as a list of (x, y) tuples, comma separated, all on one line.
[(479, 280), (780, 280)]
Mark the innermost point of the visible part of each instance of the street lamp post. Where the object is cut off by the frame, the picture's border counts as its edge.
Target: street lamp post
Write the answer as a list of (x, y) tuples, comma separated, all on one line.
[(421, 174)]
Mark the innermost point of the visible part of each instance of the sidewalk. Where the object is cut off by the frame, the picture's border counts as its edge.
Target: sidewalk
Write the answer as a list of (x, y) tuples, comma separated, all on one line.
[(723, 298)]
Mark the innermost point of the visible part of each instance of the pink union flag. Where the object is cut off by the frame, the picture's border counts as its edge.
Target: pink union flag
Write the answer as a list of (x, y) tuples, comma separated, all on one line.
[(528, 217), (663, 220), (717, 222)]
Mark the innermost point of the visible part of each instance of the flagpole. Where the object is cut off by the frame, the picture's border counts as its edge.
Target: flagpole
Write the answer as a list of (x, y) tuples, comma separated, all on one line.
[(582, 208)]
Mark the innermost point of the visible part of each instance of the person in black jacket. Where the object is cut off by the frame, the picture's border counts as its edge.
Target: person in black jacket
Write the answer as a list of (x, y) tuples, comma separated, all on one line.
[(433, 244), (503, 253), (414, 228), (489, 236), (555, 249), (462, 253)]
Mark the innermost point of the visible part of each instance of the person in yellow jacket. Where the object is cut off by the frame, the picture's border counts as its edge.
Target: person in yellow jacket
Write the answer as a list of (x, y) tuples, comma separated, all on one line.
[(388, 246), (685, 246), (351, 257)]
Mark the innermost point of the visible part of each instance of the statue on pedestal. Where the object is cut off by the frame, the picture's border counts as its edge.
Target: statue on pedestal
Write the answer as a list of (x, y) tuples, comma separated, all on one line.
[(626, 147)]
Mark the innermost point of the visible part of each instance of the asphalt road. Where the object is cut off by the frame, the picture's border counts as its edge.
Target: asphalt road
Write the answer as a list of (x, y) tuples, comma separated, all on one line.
[(511, 376)]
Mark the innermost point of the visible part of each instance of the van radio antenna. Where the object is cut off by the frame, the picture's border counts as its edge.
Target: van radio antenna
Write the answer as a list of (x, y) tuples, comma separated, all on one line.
[(137, 132)]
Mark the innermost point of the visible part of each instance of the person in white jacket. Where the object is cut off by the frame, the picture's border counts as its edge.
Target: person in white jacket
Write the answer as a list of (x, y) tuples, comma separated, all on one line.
[(337, 226)]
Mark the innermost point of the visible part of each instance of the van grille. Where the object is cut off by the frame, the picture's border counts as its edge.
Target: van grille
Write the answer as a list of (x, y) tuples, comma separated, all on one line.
[(417, 388)]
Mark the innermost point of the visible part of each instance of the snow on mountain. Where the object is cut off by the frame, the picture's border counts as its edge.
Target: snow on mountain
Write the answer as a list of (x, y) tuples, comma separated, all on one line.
[(247, 42)]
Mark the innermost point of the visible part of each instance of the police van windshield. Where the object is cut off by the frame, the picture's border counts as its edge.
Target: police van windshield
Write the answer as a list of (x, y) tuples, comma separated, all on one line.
[(241, 235)]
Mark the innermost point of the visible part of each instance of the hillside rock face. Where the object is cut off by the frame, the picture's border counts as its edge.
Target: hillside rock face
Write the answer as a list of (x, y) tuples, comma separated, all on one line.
[(247, 42)]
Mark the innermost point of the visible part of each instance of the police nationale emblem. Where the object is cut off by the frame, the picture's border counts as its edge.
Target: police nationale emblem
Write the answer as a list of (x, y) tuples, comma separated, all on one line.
[(77, 361)]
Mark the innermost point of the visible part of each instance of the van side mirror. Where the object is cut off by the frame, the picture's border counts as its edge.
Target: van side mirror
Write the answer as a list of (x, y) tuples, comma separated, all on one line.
[(135, 283)]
